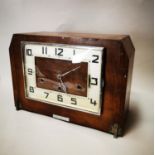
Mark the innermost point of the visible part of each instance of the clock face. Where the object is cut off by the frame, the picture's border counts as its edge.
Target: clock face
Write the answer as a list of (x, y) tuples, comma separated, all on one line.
[(64, 75)]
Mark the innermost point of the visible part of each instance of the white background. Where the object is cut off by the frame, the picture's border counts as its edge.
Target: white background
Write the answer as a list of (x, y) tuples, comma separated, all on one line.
[(25, 133)]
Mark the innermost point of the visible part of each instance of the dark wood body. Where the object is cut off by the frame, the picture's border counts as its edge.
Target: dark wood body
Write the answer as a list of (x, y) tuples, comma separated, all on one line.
[(117, 73)]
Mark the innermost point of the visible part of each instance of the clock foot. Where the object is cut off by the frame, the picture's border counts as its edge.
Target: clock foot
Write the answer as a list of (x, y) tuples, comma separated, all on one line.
[(18, 106), (116, 130)]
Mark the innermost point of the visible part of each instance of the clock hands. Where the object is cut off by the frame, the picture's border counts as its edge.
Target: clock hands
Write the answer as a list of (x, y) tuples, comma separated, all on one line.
[(59, 77), (74, 69), (61, 83)]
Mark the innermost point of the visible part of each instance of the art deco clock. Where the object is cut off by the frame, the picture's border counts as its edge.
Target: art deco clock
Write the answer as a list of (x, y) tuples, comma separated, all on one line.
[(79, 78)]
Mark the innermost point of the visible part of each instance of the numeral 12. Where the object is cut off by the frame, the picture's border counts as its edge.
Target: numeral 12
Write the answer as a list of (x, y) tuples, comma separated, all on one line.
[(59, 51)]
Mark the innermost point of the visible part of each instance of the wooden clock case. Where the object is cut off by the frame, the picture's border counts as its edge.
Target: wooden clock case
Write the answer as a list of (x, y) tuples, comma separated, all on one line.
[(117, 73)]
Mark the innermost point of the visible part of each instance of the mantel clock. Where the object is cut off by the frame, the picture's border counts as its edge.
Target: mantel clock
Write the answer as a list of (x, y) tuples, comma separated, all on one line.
[(79, 78)]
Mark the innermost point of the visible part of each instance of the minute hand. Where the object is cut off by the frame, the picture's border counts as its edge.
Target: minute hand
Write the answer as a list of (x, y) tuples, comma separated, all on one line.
[(64, 74)]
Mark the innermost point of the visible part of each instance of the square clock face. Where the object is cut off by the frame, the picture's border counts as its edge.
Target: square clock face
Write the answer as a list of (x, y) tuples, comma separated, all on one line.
[(64, 75)]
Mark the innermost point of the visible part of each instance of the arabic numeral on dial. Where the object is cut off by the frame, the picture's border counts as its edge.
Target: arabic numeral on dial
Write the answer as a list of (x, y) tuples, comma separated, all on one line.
[(29, 52), (31, 89), (46, 94), (44, 50), (96, 58), (60, 98), (93, 101), (59, 51), (73, 101), (93, 81), (29, 70)]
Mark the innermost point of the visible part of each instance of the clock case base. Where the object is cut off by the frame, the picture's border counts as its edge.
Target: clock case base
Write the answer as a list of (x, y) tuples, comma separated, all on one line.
[(117, 75)]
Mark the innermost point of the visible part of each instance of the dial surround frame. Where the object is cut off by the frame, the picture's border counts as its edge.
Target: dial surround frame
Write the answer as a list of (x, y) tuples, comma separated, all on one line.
[(94, 48)]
